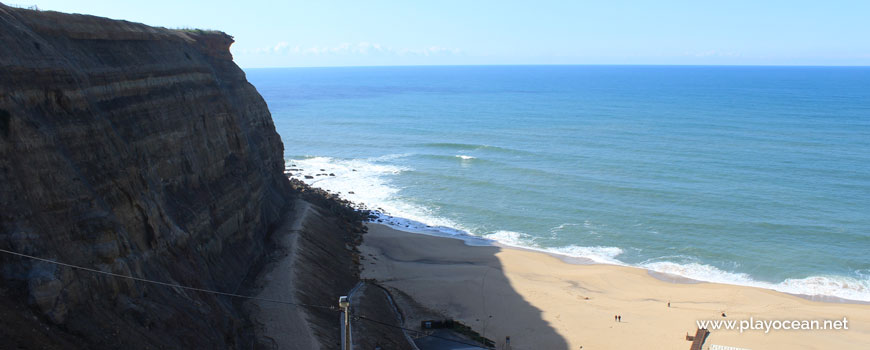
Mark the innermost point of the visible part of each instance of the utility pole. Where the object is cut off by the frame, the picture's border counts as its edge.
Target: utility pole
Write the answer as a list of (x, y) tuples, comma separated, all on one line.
[(344, 304)]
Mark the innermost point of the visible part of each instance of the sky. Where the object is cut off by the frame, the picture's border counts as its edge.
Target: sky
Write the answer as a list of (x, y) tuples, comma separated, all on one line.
[(314, 33)]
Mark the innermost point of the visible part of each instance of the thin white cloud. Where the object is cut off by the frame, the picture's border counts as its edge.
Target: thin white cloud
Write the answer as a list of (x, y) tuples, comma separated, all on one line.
[(361, 48), (714, 53), (281, 46)]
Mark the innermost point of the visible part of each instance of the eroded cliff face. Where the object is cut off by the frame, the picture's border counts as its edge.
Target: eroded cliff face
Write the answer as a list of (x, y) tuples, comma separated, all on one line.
[(135, 150)]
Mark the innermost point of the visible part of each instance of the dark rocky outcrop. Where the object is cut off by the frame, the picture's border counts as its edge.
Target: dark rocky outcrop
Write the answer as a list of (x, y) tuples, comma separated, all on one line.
[(134, 150)]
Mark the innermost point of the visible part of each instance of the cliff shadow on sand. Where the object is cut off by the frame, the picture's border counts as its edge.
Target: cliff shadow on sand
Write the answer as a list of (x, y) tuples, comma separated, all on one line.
[(143, 151), (437, 277)]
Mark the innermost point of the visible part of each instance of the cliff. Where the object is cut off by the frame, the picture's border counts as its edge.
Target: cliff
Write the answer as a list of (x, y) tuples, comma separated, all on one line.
[(134, 150)]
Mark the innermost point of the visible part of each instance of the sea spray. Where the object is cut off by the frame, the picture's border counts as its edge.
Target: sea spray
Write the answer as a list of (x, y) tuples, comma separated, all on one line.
[(367, 182), (752, 175)]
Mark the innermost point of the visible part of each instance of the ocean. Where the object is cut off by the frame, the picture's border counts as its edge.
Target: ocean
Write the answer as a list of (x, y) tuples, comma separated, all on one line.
[(754, 176)]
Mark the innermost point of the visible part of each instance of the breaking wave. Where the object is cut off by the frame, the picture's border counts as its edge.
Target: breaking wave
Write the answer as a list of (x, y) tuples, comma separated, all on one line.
[(369, 182)]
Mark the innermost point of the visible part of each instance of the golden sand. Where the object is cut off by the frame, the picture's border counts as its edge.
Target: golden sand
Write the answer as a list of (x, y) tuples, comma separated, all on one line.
[(542, 302)]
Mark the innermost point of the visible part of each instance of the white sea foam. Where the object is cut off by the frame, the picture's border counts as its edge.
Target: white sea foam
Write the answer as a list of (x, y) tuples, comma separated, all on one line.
[(558, 229), (464, 157), (598, 254), (370, 182), (701, 272), (512, 238), (388, 157), (603, 255), (835, 286)]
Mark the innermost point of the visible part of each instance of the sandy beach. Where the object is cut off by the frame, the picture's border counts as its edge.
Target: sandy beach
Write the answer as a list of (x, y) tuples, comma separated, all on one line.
[(542, 302)]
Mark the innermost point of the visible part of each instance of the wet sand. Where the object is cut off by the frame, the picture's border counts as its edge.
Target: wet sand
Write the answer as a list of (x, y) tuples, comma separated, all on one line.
[(542, 302)]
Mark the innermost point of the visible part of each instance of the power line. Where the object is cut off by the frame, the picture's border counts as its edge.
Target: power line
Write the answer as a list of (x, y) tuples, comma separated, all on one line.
[(226, 294), (164, 283), (418, 332)]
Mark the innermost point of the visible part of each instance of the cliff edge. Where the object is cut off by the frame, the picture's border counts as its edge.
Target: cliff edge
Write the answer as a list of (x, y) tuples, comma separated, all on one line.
[(134, 150)]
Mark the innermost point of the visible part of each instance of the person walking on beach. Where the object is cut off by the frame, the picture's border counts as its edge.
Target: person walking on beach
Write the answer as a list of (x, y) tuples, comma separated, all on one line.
[(619, 318), (615, 318)]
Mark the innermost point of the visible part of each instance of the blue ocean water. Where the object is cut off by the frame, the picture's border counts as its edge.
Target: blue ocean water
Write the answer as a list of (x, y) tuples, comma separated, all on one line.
[(744, 175)]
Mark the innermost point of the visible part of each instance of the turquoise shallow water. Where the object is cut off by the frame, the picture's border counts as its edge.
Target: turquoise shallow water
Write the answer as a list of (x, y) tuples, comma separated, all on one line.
[(746, 175)]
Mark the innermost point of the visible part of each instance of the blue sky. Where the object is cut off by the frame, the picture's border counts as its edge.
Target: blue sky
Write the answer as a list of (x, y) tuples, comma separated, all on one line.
[(371, 32)]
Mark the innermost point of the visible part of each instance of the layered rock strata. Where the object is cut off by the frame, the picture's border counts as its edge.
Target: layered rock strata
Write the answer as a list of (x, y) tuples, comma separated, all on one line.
[(134, 150)]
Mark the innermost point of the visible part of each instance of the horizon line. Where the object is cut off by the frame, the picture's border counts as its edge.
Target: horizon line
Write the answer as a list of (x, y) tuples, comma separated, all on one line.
[(573, 64)]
